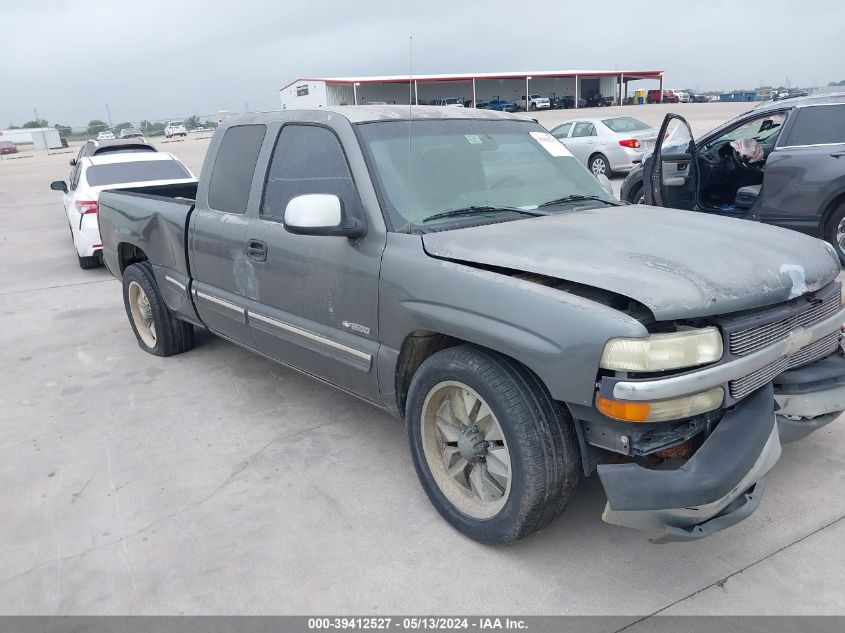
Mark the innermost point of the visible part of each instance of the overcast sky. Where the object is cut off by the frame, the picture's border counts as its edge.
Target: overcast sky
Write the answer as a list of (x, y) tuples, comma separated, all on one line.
[(156, 59)]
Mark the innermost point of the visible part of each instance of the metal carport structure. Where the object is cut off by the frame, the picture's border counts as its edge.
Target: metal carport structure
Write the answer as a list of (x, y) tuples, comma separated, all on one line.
[(472, 87)]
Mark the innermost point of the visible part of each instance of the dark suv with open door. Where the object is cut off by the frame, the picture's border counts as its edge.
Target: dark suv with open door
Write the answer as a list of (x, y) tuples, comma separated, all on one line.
[(782, 163)]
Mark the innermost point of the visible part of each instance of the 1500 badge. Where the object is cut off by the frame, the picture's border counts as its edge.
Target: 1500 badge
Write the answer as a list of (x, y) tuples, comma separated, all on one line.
[(356, 327)]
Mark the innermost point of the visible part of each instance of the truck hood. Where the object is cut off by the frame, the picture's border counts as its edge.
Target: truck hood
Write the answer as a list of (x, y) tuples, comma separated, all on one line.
[(679, 264)]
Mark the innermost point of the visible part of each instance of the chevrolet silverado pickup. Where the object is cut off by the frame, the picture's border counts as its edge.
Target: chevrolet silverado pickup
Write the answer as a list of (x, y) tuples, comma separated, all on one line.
[(459, 268)]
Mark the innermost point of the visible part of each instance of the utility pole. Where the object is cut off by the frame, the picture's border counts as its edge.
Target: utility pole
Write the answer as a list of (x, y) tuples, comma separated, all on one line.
[(109, 113)]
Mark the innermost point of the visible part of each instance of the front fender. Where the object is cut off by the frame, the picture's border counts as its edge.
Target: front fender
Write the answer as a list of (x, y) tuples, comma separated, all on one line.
[(558, 335)]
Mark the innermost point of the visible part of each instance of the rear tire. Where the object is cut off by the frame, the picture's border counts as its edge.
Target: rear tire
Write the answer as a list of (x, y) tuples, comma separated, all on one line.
[(598, 164), (835, 231), (521, 425), (158, 332)]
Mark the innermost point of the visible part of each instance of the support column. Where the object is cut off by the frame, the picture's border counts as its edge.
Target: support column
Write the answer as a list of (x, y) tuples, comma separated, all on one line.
[(527, 97), (661, 89), (621, 81), (576, 92), (474, 102), (354, 93), (416, 94)]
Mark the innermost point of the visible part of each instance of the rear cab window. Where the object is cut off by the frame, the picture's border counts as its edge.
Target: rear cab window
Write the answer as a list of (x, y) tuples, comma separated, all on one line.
[(234, 167), (817, 125)]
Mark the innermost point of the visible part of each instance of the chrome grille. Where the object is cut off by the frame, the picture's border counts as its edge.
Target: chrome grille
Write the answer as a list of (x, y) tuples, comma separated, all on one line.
[(741, 387), (750, 340)]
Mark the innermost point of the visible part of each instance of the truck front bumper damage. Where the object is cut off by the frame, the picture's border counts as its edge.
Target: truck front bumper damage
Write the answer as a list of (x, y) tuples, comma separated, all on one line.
[(717, 487), (723, 482), (809, 397)]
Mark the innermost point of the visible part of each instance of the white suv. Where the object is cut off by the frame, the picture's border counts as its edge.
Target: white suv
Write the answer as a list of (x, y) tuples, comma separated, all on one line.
[(175, 128), (683, 97)]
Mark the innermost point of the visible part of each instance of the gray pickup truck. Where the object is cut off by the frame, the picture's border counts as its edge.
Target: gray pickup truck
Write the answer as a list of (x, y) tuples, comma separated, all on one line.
[(461, 269)]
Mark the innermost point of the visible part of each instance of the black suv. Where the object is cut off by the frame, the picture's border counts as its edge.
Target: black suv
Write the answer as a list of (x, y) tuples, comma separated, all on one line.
[(782, 163)]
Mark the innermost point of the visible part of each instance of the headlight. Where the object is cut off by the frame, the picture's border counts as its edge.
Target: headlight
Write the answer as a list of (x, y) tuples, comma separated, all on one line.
[(660, 352)]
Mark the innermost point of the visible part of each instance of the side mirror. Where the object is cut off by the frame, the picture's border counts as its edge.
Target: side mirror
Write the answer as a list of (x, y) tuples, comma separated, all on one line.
[(72, 162), (59, 185), (604, 181), (321, 214)]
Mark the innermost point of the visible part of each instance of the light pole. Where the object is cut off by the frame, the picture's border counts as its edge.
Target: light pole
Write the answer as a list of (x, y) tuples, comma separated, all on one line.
[(527, 95)]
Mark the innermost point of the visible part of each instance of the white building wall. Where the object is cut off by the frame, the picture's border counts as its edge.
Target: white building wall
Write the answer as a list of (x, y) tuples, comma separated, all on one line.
[(304, 94), (389, 92), (40, 138), (609, 86), (339, 94), (545, 86)]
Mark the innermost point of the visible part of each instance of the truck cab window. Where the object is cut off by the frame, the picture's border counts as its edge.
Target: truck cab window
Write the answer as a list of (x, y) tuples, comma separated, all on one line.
[(306, 159), (231, 177)]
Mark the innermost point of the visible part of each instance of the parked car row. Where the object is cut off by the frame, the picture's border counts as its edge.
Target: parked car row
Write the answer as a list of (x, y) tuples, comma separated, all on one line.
[(490, 292), (534, 102)]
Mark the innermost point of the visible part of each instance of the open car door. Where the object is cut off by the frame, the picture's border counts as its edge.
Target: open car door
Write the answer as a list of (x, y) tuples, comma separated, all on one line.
[(669, 175)]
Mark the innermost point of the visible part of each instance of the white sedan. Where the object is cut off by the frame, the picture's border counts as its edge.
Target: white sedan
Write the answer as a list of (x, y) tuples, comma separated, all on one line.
[(607, 144), (91, 175)]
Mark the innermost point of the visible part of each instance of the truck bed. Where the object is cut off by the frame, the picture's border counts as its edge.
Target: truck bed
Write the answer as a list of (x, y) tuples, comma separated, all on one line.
[(150, 223)]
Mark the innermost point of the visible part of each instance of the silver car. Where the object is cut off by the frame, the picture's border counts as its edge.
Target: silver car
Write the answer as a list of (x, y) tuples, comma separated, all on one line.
[(607, 144)]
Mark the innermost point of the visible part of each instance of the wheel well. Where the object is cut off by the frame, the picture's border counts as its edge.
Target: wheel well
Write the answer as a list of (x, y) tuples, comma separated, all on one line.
[(594, 154), (831, 209), (416, 347), (128, 254)]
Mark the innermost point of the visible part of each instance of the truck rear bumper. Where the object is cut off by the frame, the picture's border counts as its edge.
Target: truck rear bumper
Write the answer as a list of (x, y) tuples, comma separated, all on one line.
[(720, 485)]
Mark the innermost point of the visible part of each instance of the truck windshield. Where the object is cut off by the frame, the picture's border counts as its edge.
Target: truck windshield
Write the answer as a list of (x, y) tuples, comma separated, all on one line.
[(135, 171), (458, 163)]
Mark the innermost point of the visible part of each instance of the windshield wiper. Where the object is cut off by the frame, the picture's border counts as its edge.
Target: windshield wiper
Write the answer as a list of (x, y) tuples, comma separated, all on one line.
[(577, 197), (476, 209)]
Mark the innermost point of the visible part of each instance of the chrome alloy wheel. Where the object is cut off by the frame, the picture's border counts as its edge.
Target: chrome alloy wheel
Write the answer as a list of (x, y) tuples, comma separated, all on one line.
[(142, 314), (465, 449), (598, 167)]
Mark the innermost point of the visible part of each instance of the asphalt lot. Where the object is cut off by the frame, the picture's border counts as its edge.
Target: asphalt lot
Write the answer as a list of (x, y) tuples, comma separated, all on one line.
[(219, 482)]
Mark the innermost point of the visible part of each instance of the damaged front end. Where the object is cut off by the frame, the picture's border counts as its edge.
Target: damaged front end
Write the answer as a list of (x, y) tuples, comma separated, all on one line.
[(697, 443)]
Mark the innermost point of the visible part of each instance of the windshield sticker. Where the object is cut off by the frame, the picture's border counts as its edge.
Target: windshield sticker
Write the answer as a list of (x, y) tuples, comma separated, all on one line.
[(550, 144), (473, 138)]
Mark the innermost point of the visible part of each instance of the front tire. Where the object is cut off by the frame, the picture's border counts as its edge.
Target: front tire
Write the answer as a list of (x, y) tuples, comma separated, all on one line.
[(158, 332), (636, 195), (495, 454)]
